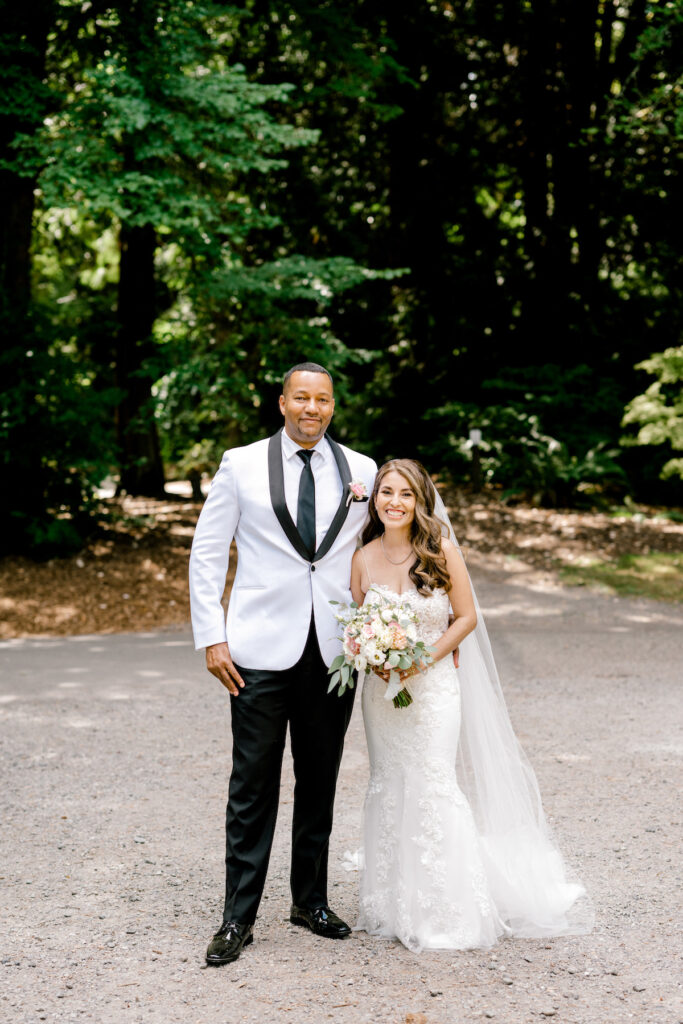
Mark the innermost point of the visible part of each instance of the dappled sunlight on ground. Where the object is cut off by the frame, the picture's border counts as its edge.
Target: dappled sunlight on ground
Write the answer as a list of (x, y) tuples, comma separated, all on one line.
[(659, 573), (638, 553), (132, 576)]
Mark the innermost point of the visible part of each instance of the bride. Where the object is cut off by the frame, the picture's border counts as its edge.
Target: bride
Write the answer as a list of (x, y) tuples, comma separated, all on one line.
[(453, 859)]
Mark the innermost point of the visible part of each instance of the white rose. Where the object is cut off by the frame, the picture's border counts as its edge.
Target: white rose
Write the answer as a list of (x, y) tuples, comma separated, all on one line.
[(359, 663), (369, 651)]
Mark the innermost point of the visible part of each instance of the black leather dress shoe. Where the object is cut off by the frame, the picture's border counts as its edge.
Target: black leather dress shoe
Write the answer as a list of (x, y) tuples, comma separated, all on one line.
[(228, 942), (320, 920)]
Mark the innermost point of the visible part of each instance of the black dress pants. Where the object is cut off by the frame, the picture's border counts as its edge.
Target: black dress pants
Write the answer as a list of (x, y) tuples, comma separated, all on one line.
[(317, 722)]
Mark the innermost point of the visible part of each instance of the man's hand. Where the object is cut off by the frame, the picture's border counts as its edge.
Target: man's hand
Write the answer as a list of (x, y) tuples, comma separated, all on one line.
[(220, 665)]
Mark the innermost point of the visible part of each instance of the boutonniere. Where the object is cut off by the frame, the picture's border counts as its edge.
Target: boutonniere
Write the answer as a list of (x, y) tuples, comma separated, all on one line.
[(357, 492)]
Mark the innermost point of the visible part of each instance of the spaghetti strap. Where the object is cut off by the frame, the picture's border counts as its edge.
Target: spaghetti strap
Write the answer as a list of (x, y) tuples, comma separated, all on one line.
[(365, 563)]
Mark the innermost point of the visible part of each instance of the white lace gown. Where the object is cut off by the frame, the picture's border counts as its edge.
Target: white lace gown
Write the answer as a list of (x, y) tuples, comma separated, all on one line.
[(423, 877)]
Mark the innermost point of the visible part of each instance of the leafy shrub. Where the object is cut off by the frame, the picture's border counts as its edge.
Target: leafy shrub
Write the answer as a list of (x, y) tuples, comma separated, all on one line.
[(519, 456), (659, 410), (56, 446)]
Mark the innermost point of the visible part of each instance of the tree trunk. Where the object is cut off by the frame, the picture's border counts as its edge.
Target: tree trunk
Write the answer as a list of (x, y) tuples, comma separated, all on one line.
[(25, 31), (25, 39), (142, 471), (195, 478), (16, 217)]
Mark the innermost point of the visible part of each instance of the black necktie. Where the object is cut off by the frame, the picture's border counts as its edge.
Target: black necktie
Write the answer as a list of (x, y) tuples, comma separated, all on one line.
[(305, 509)]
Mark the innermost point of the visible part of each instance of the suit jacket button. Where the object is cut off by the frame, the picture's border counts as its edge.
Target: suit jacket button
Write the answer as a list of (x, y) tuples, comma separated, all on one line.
[(312, 568)]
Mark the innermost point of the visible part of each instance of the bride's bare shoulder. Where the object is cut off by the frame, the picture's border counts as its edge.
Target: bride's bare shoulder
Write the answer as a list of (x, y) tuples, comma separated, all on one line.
[(371, 546), (371, 552), (455, 560)]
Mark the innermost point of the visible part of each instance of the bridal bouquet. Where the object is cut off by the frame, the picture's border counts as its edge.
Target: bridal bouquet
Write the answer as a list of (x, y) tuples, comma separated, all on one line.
[(380, 634)]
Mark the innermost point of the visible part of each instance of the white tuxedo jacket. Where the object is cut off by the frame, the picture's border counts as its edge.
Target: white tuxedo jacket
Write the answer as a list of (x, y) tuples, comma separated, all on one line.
[(277, 583)]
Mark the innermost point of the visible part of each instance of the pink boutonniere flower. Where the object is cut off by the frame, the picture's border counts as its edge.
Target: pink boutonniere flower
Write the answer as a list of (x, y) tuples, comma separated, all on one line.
[(357, 492)]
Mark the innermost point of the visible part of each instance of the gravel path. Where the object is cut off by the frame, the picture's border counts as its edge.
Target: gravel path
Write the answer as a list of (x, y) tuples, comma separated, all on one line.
[(116, 755)]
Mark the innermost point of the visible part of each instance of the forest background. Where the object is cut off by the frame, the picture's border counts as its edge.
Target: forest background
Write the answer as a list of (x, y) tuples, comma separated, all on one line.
[(471, 213)]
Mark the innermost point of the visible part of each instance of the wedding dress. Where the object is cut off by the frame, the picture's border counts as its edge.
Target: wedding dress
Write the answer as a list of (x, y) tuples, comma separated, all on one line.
[(439, 870)]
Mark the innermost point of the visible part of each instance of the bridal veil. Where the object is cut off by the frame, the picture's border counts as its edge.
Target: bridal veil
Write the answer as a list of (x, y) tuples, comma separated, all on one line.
[(527, 874)]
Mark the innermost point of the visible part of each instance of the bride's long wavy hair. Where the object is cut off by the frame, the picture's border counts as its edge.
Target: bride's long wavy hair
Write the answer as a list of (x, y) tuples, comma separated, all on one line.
[(429, 569)]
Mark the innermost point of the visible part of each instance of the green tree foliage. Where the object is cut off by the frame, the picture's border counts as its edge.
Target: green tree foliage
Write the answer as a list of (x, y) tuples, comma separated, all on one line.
[(171, 142), (191, 192), (27, 480), (158, 138), (659, 411), (227, 372), (42, 420), (150, 150), (538, 437), (496, 151)]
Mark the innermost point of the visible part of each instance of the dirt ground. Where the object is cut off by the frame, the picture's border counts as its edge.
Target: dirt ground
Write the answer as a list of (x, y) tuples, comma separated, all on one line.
[(116, 754), (132, 575)]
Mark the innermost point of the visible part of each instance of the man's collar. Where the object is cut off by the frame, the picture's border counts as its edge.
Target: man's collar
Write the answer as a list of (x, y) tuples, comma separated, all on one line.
[(290, 447)]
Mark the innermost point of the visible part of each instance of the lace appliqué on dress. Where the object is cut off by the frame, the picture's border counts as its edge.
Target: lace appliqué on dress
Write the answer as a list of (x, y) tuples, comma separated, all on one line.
[(423, 880)]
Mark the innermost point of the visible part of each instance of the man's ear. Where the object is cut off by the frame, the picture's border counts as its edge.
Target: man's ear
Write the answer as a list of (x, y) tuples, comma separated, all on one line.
[(282, 404)]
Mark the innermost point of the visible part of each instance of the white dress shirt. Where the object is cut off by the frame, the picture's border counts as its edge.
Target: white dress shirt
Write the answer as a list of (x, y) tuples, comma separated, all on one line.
[(328, 485)]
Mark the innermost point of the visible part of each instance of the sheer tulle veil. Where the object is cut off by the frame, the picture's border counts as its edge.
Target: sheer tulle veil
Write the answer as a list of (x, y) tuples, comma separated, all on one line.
[(533, 890)]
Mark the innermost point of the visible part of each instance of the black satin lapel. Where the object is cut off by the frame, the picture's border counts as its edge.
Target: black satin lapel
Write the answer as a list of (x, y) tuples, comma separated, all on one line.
[(276, 483), (343, 509)]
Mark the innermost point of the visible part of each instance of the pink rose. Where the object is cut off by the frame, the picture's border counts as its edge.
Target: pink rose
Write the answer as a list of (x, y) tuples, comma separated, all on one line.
[(357, 492), (399, 640)]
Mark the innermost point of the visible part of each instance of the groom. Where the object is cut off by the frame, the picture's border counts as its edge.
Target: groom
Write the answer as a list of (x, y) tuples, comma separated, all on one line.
[(287, 502)]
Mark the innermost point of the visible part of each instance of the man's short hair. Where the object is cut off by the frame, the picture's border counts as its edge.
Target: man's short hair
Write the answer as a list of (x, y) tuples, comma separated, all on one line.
[(305, 368)]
